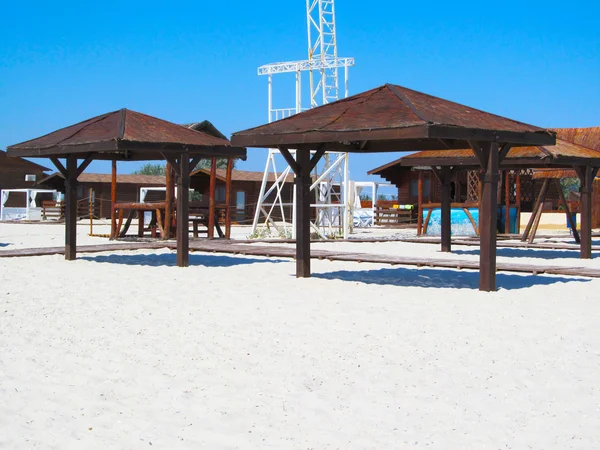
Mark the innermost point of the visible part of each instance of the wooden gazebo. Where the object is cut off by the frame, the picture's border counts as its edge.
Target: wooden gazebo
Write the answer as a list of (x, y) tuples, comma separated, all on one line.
[(393, 118), (127, 135), (584, 161)]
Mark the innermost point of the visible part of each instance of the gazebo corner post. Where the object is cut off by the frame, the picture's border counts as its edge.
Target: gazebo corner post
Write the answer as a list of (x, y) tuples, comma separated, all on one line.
[(211, 198), (170, 194), (183, 212), (444, 176), (302, 184), (228, 198), (586, 176), (489, 156), (71, 208), (419, 204), (113, 200)]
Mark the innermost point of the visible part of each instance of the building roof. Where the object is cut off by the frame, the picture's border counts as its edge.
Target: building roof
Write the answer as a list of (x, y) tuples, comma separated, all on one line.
[(242, 175), (7, 163), (539, 174), (563, 154), (126, 135), (146, 180), (391, 118), (588, 137)]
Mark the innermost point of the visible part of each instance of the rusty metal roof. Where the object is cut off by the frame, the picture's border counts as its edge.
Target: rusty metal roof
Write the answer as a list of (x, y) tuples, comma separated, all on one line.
[(127, 135), (391, 118), (19, 163), (146, 180), (563, 154), (588, 137), (242, 175), (556, 173)]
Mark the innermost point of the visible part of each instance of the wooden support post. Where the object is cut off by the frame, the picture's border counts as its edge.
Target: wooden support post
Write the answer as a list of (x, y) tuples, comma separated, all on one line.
[(140, 215), (211, 198), (113, 200), (170, 194), (419, 204), (446, 217), (518, 199), (586, 177), (571, 221), (71, 209), (488, 217), (228, 198), (91, 210), (183, 212), (302, 182), (539, 204), (507, 201)]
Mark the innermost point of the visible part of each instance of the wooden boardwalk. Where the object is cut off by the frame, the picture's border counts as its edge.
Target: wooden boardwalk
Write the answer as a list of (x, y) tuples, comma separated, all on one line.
[(234, 247)]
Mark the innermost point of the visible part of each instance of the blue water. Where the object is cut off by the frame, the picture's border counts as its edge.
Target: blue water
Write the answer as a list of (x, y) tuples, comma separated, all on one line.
[(461, 225)]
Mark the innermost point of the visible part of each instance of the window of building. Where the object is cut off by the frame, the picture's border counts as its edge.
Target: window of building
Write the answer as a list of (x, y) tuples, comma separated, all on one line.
[(414, 188), (220, 194)]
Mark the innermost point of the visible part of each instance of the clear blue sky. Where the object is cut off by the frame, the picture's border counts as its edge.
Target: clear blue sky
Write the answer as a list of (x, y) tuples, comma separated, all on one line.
[(63, 62)]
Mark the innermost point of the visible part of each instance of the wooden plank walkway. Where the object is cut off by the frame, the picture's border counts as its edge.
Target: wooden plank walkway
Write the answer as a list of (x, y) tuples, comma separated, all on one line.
[(46, 251), (233, 247)]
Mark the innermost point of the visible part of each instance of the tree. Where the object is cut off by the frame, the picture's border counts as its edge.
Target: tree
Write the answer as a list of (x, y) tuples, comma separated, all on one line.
[(161, 169), (152, 169), (569, 185)]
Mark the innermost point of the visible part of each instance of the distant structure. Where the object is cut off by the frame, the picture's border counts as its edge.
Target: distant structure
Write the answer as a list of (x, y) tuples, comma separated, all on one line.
[(331, 176)]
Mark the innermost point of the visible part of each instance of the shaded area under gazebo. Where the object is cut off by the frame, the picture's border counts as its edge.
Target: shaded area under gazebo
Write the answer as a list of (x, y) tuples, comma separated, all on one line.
[(127, 135), (584, 161), (393, 118)]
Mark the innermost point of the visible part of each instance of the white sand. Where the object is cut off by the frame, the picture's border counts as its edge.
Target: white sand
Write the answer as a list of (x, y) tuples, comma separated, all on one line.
[(117, 351)]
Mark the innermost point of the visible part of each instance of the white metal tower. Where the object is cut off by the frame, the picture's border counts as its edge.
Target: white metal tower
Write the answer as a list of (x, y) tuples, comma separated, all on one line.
[(331, 176)]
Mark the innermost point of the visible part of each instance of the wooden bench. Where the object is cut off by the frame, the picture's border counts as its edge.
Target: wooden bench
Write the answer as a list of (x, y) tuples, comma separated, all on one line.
[(52, 210), (393, 216)]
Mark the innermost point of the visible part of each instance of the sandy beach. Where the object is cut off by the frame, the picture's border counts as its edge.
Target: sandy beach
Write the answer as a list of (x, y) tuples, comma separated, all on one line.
[(124, 350)]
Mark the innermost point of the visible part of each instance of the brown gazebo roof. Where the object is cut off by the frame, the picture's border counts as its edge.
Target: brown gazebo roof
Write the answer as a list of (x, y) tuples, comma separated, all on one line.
[(563, 154), (127, 135), (392, 118), (588, 137)]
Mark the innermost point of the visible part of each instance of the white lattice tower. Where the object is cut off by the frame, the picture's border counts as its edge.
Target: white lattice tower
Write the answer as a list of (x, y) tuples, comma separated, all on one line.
[(322, 47), (331, 175)]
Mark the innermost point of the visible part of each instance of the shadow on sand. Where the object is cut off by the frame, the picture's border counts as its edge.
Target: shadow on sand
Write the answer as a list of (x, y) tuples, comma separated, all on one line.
[(437, 278), (170, 259), (526, 253)]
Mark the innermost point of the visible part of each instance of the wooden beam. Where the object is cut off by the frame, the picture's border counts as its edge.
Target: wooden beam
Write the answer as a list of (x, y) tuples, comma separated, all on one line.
[(479, 153), (211, 198), (183, 212), (194, 162), (84, 164), (71, 209), (302, 182), (173, 160), (445, 175), (587, 182), (419, 204), (571, 221), (536, 207), (169, 197), (228, 198), (290, 159), (59, 166), (488, 219), (113, 200), (507, 201), (316, 157)]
